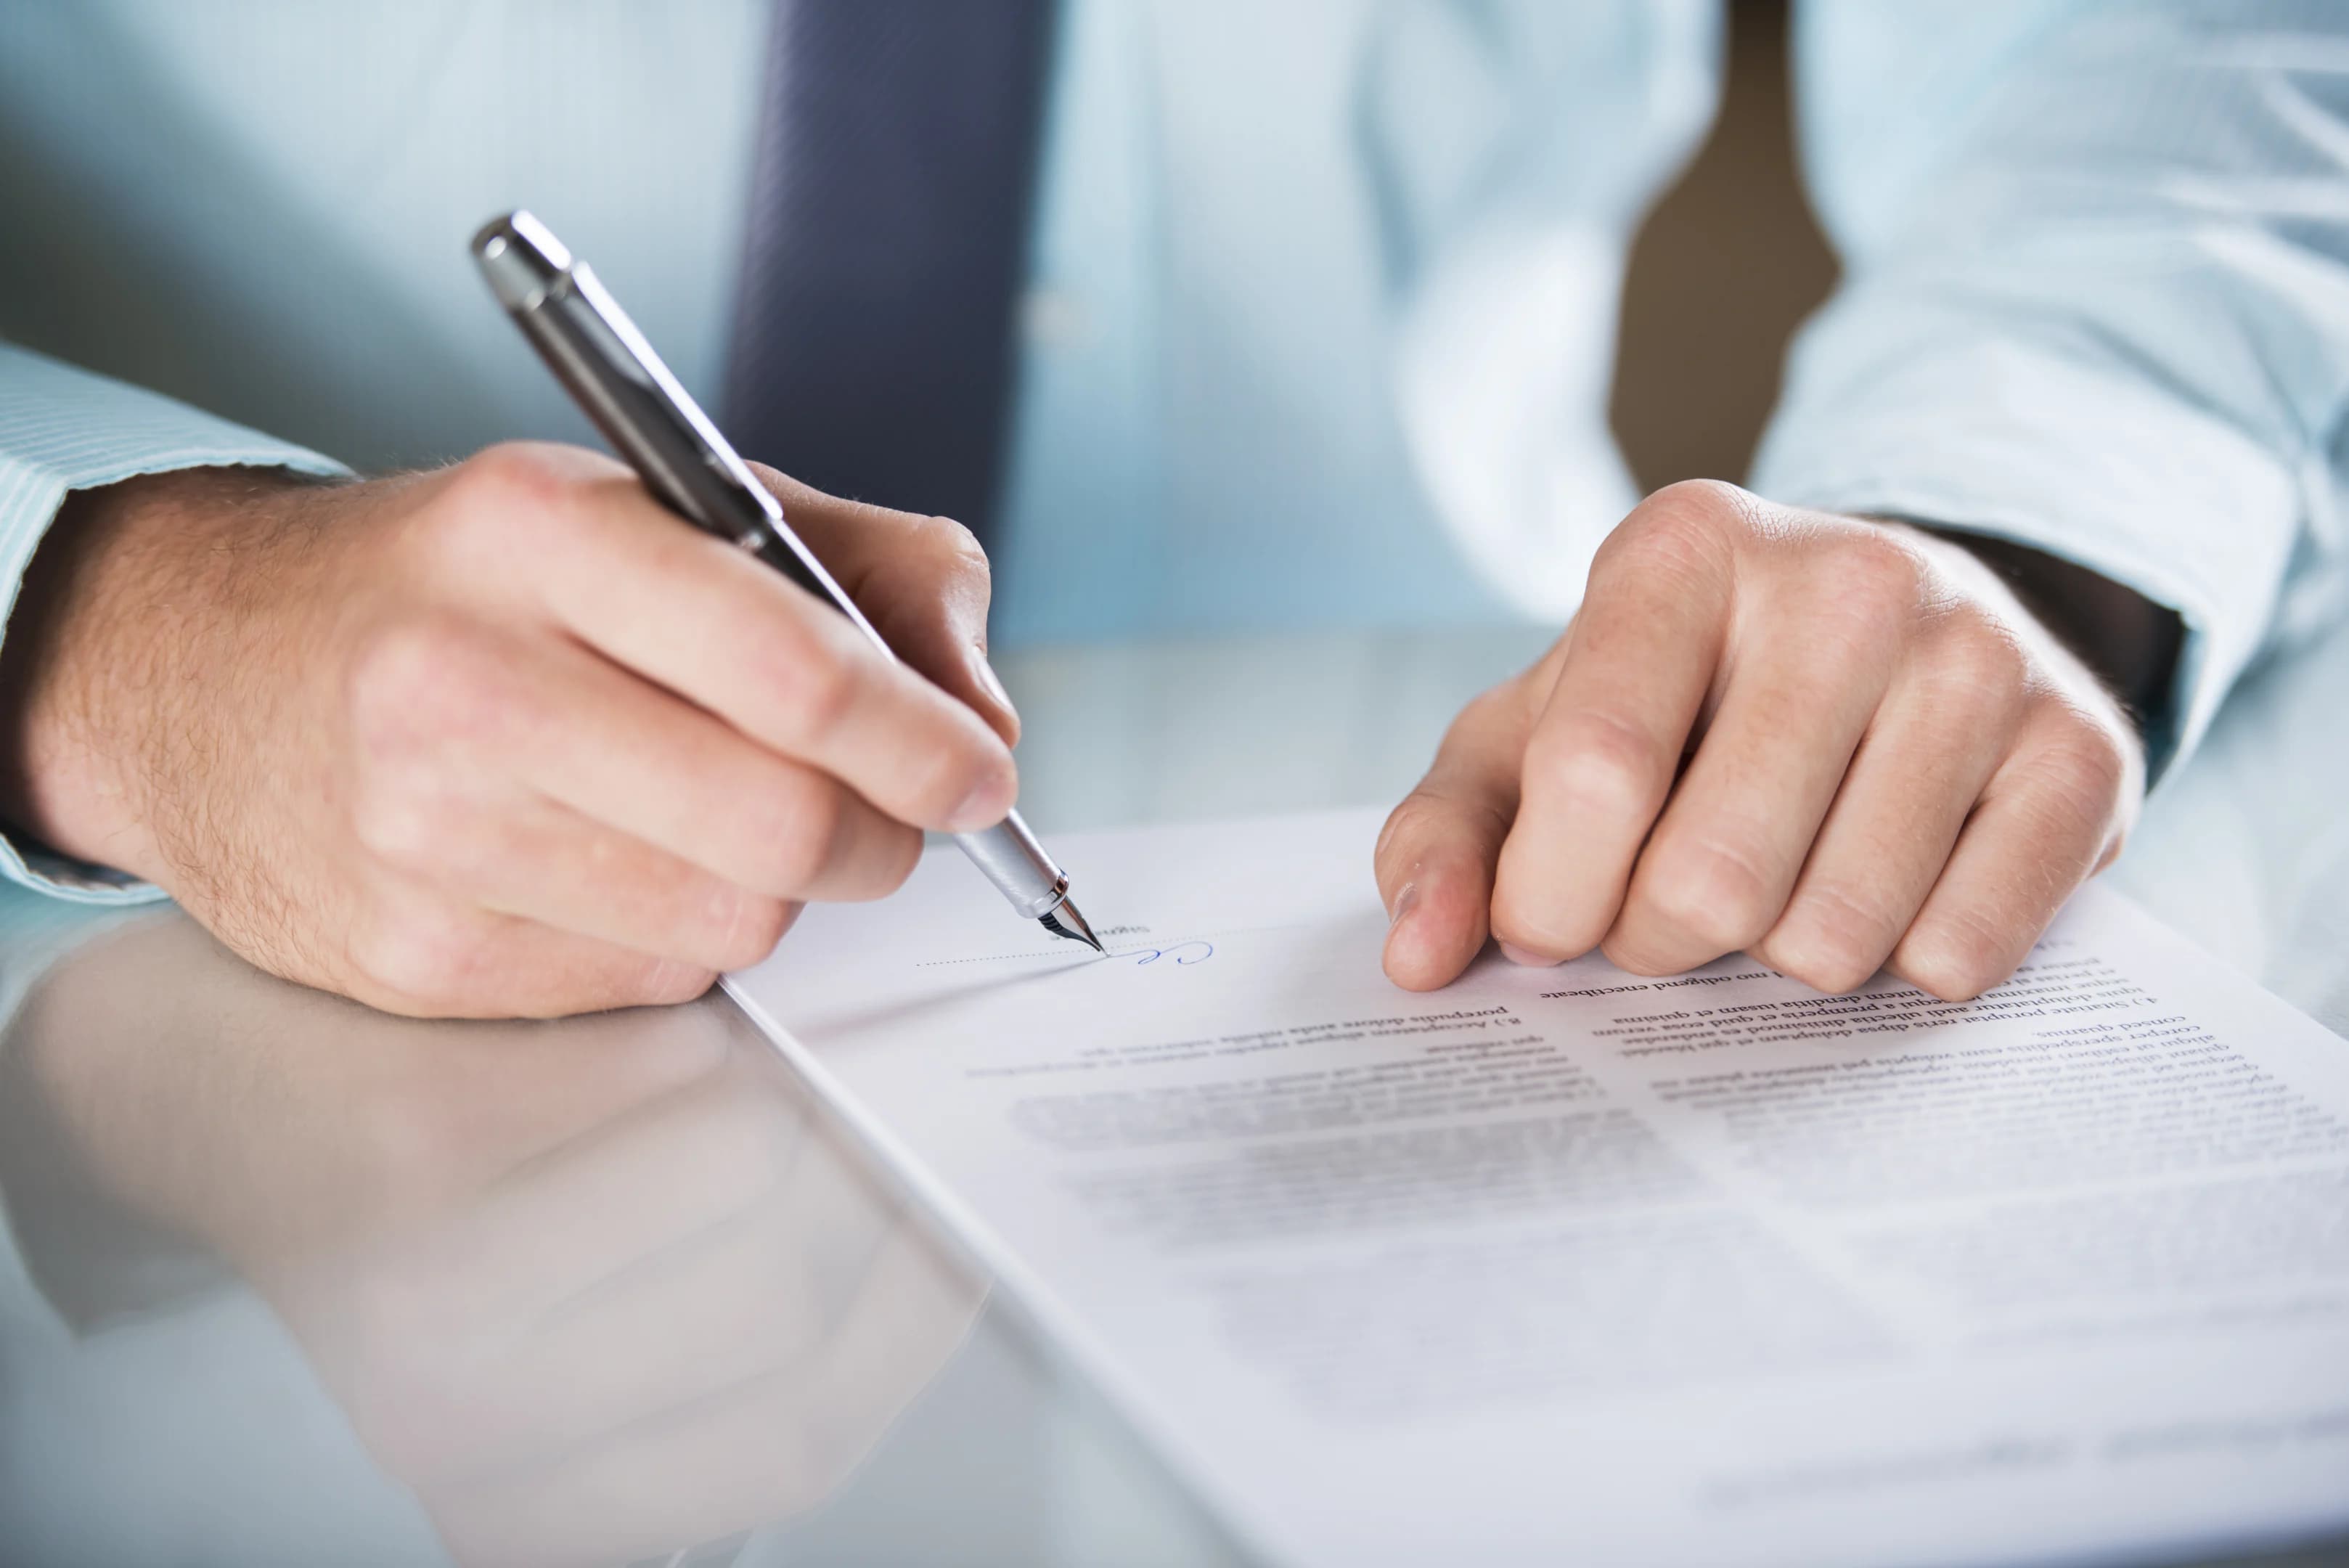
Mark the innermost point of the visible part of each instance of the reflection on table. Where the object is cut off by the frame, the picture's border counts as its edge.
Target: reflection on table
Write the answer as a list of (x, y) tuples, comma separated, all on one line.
[(589, 1292)]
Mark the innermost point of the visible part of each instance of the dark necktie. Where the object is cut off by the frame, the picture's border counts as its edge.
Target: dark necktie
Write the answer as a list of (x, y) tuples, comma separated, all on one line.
[(887, 245)]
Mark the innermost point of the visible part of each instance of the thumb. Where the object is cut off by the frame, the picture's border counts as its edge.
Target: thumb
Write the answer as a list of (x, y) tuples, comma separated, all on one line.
[(1436, 855), (923, 582)]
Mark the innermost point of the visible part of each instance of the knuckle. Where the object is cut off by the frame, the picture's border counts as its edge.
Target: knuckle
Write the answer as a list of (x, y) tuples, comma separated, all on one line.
[(1861, 593), (1407, 825), (1516, 918), (1956, 957), (904, 852), (1981, 662), (1688, 526), (747, 823), (501, 501), (515, 476), (2073, 785), (753, 925), (629, 979), (1596, 762), (965, 762), (1830, 940), (1819, 965), (391, 672), (1711, 891), (1433, 817), (671, 984), (404, 828), (417, 682), (817, 686), (1872, 569), (1708, 502), (425, 958), (2094, 765), (799, 836), (1621, 949)]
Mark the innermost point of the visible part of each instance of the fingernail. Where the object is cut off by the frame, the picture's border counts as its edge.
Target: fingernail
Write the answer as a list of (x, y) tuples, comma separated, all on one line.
[(1405, 901), (990, 682), (1531, 961), (984, 806)]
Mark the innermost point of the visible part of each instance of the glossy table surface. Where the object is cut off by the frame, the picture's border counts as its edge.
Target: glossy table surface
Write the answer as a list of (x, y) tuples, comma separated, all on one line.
[(286, 1281)]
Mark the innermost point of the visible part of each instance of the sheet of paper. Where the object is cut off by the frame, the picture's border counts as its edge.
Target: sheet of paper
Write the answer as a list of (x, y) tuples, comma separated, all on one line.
[(1567, 1264)]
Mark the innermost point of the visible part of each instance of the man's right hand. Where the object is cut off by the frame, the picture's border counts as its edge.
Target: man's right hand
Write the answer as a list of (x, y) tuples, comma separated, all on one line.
[(504, 739)]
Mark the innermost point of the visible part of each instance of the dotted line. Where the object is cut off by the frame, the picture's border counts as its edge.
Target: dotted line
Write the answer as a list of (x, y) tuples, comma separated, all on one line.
[(1113, 952), (991, 958)]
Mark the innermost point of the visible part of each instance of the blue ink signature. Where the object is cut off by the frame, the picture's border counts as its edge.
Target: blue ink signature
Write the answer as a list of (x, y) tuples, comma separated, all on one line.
[(1190, 953)]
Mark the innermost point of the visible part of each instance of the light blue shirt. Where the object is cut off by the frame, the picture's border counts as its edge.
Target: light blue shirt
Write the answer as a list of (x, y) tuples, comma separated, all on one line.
[(1323, 294)]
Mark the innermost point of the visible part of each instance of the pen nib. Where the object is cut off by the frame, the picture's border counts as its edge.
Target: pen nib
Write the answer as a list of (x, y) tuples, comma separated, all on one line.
[(1065, 921)]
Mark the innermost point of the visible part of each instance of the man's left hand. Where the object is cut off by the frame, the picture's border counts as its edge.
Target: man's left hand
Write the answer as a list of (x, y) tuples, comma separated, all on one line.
[(1833, 743)]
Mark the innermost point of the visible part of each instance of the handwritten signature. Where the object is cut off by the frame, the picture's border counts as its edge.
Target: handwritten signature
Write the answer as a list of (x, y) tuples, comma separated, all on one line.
[(1190, 953)]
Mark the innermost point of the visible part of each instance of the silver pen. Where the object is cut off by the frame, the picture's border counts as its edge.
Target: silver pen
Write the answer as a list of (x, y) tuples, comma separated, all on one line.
[(601, 358)]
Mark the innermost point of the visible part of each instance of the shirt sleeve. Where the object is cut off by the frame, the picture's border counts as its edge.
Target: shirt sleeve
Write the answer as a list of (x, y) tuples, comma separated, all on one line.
[(63, 430), (2095, 298)]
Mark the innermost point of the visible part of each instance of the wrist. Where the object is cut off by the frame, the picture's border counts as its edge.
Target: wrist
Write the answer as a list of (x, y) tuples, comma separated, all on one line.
[(111, 623)]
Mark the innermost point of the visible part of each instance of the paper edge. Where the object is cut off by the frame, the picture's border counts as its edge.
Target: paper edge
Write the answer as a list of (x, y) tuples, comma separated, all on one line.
[(1048, 1313)]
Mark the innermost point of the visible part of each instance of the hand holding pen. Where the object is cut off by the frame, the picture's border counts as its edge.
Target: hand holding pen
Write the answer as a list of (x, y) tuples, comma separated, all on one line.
[(505, 737), (605, 363)]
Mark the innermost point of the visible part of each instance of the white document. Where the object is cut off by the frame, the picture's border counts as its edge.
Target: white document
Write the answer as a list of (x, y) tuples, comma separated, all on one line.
[(1568, 1265)]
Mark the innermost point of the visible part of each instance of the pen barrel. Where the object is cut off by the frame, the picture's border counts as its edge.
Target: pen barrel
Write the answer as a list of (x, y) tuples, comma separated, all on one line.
[(1009, 855)]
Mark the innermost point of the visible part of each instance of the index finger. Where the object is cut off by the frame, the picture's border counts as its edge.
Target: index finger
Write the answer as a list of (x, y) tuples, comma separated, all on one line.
[(712, 624), (923, 582), (1639, 661)]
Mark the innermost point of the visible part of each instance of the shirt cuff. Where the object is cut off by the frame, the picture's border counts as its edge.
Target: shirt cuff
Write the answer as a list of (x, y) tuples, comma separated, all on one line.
[(63, 430), (2013, 441)]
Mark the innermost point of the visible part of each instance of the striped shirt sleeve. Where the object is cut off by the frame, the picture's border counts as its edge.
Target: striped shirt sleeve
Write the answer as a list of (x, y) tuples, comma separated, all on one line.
[(63, 430)]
